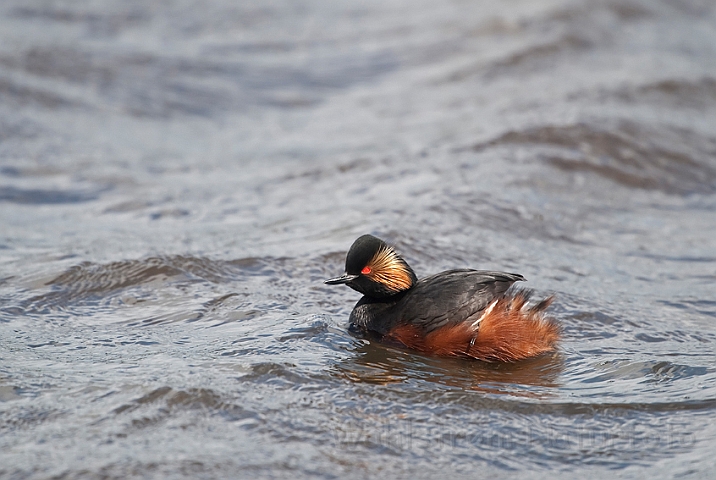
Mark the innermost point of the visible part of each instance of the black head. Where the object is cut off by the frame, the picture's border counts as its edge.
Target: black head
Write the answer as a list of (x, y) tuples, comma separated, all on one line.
[(374, 269)]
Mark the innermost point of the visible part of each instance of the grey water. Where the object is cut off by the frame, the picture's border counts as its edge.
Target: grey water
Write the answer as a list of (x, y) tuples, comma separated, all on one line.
[(178, 177)]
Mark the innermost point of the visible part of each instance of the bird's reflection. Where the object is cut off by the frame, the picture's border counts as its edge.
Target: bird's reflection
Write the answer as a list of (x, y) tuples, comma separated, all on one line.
[(377, 363)]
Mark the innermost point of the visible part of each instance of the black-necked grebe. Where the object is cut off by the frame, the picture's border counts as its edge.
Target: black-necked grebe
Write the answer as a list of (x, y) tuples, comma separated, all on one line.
[(467, 313)]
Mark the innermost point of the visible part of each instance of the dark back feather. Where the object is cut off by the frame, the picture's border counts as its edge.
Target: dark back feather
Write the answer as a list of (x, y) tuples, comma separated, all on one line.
[(453, 297)]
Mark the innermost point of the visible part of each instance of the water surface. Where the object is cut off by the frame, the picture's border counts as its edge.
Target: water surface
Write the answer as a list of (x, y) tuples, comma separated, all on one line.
[(177, 179)]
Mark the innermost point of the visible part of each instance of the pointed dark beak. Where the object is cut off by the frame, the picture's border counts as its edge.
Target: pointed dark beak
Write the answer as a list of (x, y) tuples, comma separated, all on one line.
[(345, 278)]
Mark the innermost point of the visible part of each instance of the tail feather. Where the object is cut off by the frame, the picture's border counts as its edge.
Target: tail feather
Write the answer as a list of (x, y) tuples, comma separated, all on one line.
[(511, 332)]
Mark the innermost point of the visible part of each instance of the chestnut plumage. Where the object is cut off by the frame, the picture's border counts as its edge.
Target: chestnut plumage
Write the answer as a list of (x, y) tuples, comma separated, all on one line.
[(467, 313)]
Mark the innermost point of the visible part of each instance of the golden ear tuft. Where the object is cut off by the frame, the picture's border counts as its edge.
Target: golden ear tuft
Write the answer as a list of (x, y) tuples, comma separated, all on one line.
[(387, 268)]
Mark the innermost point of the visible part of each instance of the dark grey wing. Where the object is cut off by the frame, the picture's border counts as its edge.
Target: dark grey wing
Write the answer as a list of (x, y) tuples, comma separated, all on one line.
[(454, 296)]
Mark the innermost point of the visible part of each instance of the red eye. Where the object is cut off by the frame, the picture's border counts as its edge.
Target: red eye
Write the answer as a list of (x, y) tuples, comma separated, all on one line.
[(365, 271)]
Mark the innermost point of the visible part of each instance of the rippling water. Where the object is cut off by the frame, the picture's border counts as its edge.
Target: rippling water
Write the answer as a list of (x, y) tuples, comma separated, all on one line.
[(177, 178)]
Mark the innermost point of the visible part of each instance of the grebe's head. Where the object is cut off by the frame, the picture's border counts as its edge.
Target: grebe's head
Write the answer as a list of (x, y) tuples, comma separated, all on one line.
[(375, 269)]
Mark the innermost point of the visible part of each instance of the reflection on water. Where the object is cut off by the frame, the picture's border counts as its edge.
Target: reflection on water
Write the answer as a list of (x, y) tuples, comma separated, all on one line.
[(380, 364), (177, 179)]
